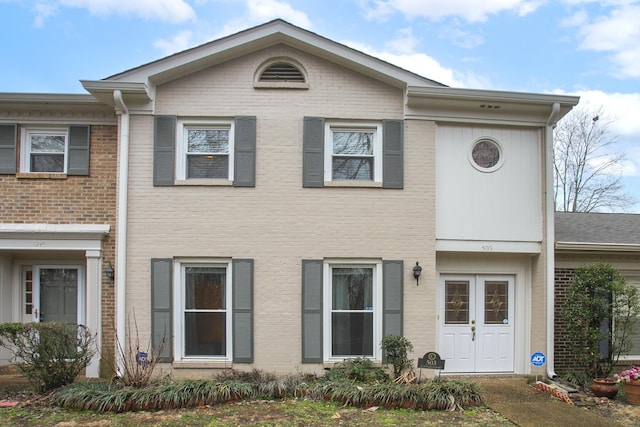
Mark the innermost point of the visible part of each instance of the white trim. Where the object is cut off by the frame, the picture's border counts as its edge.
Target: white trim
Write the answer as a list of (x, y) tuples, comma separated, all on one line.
[(179, 265), (88, 229), (597, 247), (327, 306), (335, 126), (181, 148), (25, 146), (488, 246)]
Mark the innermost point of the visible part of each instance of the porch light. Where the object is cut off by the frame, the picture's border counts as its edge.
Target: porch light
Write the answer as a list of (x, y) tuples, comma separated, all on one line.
[(108, 271), (417, 270)]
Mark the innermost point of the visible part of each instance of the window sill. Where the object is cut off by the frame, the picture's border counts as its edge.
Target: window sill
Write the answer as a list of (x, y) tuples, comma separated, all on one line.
[(354, 183), (205, 182), (41, 175), (202, 364)]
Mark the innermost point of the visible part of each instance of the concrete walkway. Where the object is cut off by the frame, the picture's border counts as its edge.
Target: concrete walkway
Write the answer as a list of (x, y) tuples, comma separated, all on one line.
[(525, 406)]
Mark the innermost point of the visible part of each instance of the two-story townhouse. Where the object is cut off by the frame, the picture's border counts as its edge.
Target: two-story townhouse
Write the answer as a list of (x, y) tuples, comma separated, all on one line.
[(57, 212), (278, 194)]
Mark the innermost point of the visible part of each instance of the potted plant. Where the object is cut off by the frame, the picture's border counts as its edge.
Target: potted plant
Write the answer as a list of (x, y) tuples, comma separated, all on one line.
[(599, 314), (630, 378)]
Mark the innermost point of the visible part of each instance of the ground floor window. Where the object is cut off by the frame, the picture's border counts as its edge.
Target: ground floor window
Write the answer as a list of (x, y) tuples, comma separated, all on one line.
[(353, 319), (205, 315)]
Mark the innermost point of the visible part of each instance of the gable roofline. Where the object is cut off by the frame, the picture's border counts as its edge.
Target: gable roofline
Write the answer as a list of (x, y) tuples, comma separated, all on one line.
[(274, 32)]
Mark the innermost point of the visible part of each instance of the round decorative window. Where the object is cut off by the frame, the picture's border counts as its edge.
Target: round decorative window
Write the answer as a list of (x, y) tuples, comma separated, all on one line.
[(486, 154)]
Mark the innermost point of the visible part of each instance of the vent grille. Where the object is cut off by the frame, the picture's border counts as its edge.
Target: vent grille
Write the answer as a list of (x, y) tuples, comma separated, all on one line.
[(282, 72)]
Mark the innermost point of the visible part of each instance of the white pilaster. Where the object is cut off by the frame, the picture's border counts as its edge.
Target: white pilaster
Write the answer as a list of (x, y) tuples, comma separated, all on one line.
[(93, 307)]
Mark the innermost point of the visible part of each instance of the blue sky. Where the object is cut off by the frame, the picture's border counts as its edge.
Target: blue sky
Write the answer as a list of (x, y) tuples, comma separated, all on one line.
[(580, 47)]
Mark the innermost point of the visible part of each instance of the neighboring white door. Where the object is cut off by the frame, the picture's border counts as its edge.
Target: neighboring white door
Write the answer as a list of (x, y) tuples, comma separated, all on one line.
[(57, 292), (476, 323)]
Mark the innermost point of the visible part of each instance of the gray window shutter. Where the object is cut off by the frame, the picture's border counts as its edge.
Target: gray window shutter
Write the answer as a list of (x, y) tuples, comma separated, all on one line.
[(242, 312), (392, 154), (313, 152), (311, 311), (161, 278), (78, 150), (392, 297), (164, 150), (8, 143), (245, 152)]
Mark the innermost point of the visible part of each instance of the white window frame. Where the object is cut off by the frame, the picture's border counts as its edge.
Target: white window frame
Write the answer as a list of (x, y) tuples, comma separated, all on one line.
[(25, 145), (181, 149), (376, 265), (634, 279), (179, 272), (331, 127)]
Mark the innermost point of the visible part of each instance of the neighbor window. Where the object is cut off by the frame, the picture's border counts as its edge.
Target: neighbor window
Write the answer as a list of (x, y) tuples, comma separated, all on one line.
[(205, 151), (353, 153), (353, 325), (44, 150), (206, 302)]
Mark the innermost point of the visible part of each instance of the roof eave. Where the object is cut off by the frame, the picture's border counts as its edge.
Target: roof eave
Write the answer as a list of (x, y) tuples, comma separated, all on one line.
[(596, 247)]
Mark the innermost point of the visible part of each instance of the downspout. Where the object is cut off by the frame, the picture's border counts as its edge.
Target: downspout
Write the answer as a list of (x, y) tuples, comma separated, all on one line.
[(550, 238), (121, 239)]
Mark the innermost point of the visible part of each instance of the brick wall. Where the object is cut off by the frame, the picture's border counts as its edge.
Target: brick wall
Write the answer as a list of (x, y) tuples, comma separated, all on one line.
[(73, 200), (562, 354)]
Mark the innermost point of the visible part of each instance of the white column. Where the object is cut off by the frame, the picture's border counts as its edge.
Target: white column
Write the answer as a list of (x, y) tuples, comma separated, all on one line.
[(93, 307)]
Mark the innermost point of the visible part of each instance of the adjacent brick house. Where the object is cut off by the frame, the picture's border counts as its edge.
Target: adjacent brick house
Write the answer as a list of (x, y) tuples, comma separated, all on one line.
[(275, 190), (58, 163), (584, 238)]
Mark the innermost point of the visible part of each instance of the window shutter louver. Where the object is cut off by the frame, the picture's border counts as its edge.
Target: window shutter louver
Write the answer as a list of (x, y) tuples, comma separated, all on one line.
[(8, 144), (79, 137), (164, 147), (242, 313), (392, 297), (161, 278), (245, 152), (311, 311), (392, 154), (313, 152)]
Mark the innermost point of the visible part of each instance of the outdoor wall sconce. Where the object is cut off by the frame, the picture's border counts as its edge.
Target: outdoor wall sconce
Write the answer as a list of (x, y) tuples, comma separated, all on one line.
[(108, 271), (417, 270)]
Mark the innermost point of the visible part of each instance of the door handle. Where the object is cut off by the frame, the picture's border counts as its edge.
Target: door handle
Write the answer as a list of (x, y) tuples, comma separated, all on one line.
[(35, 314), (473, 333)]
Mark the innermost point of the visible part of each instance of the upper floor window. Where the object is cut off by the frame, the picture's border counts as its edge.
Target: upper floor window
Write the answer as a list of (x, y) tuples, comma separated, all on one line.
[(205, 150), (353, 152), (486, 154), (44, 150)]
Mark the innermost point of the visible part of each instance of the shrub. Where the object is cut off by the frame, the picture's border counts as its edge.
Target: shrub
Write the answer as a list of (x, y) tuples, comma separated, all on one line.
[(358, 369), (49, 354), (397, 349), (599, 314)]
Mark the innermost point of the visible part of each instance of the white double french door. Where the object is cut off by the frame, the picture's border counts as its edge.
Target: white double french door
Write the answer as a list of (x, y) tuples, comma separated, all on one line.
[(477, 323)]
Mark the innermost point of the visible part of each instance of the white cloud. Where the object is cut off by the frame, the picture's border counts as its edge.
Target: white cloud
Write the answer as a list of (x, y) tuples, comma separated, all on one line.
[(623, 108), (177, 43), (423, 65), (404, 43), (471, 11), (174, 11), (265, 10), (43, 11), (616, 33)]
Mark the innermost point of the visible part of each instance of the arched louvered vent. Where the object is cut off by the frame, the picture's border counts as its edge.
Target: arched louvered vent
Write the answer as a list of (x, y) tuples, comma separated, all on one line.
[(282, 72)]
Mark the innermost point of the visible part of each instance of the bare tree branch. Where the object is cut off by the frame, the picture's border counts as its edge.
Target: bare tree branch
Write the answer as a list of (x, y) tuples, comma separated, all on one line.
[(586, 166)]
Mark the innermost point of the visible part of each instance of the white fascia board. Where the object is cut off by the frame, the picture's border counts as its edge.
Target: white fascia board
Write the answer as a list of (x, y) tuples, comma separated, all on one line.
[(488, 246), (47, 98), (454, 104), (54, 231), (596, 247), (278, 31)]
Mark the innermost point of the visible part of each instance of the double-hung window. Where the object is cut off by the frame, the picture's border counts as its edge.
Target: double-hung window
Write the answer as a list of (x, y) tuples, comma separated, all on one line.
[(353, 316), (205, 150), (205, 315), (353, 152), (44, 150)]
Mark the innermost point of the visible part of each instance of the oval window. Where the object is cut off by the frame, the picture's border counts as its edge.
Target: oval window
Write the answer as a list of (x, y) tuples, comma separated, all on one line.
[(486, 154)]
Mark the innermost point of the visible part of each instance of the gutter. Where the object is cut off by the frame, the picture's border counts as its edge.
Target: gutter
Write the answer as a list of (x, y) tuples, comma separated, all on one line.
[(550, 238), (121, 231)]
